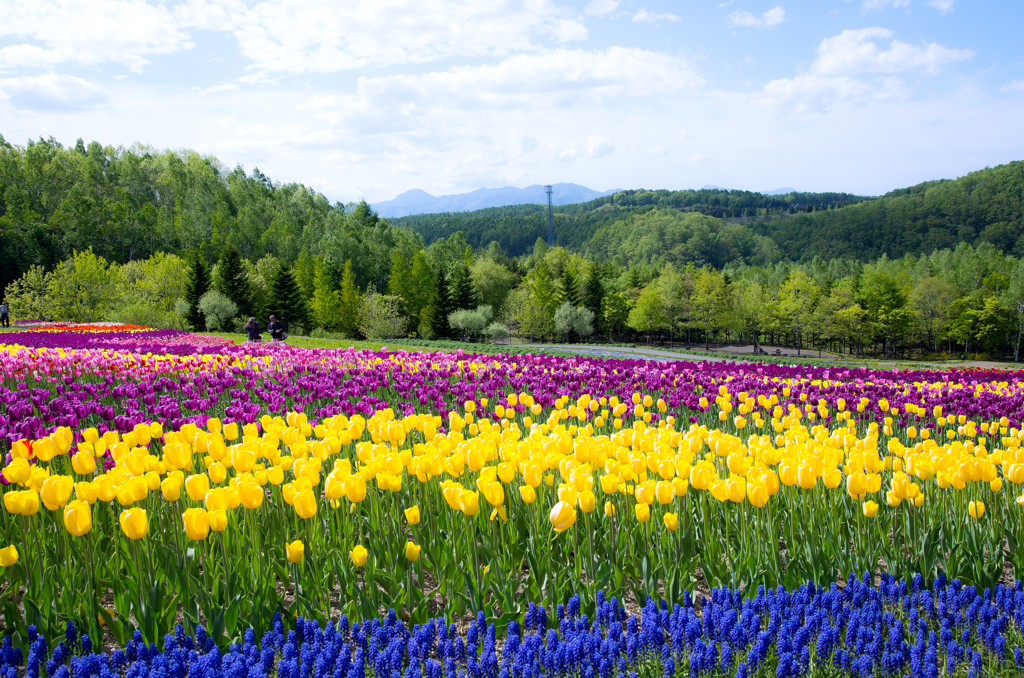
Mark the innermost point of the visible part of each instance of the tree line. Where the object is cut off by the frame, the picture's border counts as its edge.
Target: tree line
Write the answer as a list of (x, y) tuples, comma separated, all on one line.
[(94, 232)]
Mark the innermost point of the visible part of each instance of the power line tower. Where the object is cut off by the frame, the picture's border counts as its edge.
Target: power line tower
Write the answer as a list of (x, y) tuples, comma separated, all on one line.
[(551, 219)]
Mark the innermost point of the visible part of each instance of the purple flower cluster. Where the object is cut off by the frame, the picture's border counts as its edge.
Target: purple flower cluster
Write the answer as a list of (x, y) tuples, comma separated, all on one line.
[(860, 629), (115, 382)]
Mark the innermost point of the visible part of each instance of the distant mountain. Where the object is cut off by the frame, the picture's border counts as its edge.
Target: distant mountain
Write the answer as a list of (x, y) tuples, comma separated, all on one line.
[(777, 191), (418, 201)]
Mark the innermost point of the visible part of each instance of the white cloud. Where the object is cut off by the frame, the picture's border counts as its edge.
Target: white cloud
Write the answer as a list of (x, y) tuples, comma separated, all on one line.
[(567, 30), (773, 17), (833, 77), (596, 146), (856, 51), (310, 36), (1015, 86), (522, 142), (52, 93), (90, 33), (547, 78), (881, 4), (602, 7), (943, 6), (644, 15)]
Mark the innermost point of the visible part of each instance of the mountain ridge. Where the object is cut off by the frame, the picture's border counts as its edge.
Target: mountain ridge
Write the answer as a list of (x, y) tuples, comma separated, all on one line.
[(418, 201)]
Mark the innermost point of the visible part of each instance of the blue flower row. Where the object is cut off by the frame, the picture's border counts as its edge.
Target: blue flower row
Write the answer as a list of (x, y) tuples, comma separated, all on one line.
[(860, 629)]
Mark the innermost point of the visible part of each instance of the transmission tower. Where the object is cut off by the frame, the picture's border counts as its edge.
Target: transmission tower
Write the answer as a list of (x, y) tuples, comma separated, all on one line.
[(551, 219)]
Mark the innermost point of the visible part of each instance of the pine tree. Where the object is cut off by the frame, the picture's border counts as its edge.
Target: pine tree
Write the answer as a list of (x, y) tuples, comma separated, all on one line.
[(593, 294), (440, 306), (305, 273), (569, 289), (462, 294), (197, 283), (348, 321), (325, 305), (421, 285), (233, 281), (286, 300)]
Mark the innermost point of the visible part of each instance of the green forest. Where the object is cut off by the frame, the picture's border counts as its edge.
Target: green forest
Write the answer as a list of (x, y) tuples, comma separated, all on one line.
[(95, 232)]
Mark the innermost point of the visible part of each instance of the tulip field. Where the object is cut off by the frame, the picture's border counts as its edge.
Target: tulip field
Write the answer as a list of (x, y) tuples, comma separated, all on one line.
[(270, 510)]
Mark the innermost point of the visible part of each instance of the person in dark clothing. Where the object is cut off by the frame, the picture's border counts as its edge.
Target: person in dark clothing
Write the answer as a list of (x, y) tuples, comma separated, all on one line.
[(252, 331), (276, 329), (5, 315)]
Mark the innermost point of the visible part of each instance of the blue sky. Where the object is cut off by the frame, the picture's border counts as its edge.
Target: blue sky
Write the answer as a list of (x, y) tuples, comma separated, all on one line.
[(369, 98)]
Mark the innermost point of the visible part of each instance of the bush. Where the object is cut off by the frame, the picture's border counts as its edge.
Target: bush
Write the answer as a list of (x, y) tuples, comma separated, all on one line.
[(496, 332), (216, 307), (141, 313), (382, 317), (470, 323), (321, 333)]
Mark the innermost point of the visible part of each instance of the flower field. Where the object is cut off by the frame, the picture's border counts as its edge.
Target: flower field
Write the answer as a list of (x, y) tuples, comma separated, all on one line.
[(156, 478)]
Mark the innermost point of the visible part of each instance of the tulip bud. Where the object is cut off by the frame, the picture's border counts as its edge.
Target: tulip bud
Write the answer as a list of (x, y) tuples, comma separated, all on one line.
[(412, 552), (295, 551), (134, 523), (8, 556), (197, 523), (358, 555), (562, 516), (78, 518), (412, 515)]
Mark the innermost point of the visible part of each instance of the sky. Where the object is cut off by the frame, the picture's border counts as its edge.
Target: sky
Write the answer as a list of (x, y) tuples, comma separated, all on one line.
[(365, 99)]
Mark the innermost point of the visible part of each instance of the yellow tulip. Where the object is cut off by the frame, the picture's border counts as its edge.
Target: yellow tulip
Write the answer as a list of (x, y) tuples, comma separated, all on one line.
[(528, 494), (83, 463), (587, 501), (218, 472), (643, 512), (8, 556), (218, 520), (134, 523), (412, 552), (671, 522), (18, 471), (412, 515), (609, 509), (664, 492), (359, 555), (305, 504), (197, 486), (197, 523), (469, 503), (56, 491), (562, 516), (78, 518), (976, 509), (251, 495), (355, 488), (87, 492), (870, 509), (295, 551)]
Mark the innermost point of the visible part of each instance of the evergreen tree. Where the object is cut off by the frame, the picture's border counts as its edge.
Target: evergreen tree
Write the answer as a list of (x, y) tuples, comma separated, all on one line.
[(305, 273), (348, 321), (569, 289), (197, 283), (286, 300), (421, 285), (463, 296), (233, 281), (593, 293), (440, 307), (325, 306)]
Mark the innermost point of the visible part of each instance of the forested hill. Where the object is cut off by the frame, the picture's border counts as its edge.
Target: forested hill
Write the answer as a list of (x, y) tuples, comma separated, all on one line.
[(983, 206), (517, 227)]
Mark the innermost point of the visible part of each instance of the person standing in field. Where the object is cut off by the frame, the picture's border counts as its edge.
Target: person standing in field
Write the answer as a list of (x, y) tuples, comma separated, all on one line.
[(276, 329), (5, 314), (252, 331)]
